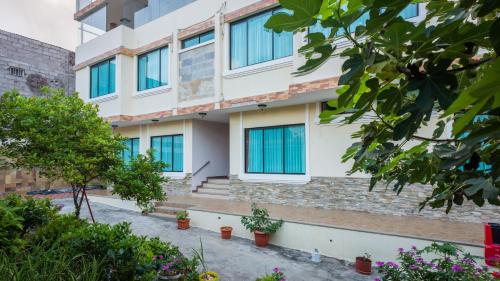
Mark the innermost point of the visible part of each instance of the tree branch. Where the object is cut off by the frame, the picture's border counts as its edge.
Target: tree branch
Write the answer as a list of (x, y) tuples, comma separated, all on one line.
[(471, 65)]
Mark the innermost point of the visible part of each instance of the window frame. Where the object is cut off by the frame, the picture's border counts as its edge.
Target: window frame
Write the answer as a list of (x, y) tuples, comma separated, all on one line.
[(106, 61), (167, 47), (198, 37), (246, 141), (245, 19), (172, 150)]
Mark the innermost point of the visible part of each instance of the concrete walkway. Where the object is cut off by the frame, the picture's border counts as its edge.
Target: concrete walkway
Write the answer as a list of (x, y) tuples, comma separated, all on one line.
[(236, 259)]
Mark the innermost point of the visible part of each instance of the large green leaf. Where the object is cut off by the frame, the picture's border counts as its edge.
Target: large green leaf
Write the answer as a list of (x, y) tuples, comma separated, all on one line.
[(303, 15)]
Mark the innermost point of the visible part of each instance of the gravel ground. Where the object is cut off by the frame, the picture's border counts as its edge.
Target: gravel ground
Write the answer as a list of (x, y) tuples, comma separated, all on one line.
[(237, 259)]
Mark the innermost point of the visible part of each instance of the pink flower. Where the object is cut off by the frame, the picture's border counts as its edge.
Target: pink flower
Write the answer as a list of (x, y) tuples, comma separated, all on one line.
[(276, 270), (401, 250), (377, 279), (379, 263), (456, 268)]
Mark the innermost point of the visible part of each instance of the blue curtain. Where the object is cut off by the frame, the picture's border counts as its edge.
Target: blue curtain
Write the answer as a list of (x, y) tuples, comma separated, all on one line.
[(283, 42), (255, 151), (156, 147), (178, 154), (135, 148), (103, 79), (153, 70), (166, 152), (239, 45), (112, 76), (260, 47), (273, 150), (164, 66), (127, 152), (94, 82), (294, 150), (143, 61)]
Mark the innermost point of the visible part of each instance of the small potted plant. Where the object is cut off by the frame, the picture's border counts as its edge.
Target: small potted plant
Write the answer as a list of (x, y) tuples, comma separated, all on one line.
[(261, 225), (205, 275), (277, 275), (168, 270), (182, 220), (364, 264), (225, 232)]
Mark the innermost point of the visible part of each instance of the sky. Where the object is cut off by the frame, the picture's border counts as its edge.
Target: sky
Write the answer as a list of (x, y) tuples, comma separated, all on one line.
[(49, 21)]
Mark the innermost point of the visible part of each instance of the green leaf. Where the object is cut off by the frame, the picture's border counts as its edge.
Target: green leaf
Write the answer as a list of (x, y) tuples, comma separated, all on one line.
[(303, 15), (462, 122), (495, 35)]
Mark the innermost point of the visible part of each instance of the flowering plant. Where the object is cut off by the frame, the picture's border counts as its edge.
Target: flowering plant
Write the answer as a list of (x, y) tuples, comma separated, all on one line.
[(168, 267), (277, 275), (450, 264)]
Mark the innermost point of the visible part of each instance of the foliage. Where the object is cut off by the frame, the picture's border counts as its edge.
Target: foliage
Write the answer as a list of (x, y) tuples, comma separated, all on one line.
[(63, 247), (413, 77), (277, 275), (182, 215), (260, 221), (60, 135), (450, 264), (140, 180)]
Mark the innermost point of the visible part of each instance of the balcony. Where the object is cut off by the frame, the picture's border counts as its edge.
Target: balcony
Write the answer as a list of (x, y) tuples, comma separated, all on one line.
[(156, 9)]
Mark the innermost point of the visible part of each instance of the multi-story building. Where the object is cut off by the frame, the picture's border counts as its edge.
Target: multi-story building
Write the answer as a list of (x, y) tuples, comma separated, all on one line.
[(213, 93)]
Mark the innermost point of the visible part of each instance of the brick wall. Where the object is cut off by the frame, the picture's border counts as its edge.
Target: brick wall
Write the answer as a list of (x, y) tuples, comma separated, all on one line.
[(43, 64)]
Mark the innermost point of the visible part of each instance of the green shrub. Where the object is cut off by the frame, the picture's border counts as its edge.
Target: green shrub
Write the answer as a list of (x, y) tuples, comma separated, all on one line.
[(260, 221)]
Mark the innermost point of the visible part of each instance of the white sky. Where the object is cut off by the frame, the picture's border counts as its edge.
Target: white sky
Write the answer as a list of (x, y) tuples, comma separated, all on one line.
[(49, 21)]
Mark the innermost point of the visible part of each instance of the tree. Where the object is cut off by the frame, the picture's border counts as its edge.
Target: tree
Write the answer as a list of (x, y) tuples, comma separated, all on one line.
[(441, 70), (140, 180), (61, 136)]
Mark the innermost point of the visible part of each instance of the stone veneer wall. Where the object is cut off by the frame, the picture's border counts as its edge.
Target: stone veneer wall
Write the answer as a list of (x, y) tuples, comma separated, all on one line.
[(196, 73), (352, 194), (22, 181), (178, 186)]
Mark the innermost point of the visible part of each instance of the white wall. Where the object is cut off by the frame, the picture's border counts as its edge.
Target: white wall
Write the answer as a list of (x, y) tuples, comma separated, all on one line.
[(210, 143)]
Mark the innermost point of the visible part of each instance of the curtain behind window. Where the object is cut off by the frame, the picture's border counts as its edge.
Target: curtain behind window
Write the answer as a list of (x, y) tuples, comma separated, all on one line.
[(238, 45), (260, 48)]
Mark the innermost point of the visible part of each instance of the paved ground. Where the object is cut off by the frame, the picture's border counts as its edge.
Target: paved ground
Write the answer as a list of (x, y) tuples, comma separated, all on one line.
[(236, 259)]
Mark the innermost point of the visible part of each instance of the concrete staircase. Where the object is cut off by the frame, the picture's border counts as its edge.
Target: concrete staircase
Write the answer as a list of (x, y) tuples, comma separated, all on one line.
[(168, 210), (213, 188)]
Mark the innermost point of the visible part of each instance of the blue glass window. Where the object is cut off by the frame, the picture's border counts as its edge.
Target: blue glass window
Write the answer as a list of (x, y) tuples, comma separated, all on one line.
[(252, 43), (410, 11), (102, 78), (198, 39), (169, 149), (153, 69), (275, 150), (131, 151)]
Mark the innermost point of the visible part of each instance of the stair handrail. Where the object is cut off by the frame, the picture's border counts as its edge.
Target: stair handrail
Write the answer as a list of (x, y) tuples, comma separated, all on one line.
[(201, 168)]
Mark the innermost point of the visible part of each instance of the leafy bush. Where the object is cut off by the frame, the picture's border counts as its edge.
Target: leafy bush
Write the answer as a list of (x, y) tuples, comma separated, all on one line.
[(260, 221), (140, 180), (451, 264), (277, 275)]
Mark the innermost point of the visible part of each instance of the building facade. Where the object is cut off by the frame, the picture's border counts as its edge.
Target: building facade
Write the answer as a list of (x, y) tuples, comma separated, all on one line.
[(213, 93)]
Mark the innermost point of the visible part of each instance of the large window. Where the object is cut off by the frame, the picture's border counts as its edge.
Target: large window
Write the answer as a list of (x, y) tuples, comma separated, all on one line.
[(409, 12), (169, 149), (252, 43), (102, 78), (153, 69), (198, 39), (131, 151), (275, 150)]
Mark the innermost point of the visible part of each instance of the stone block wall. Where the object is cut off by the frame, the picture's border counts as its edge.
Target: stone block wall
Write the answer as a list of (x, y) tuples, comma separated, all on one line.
[(178, 186), (196, 73), (352, 194), (42, 65), (22, 181)]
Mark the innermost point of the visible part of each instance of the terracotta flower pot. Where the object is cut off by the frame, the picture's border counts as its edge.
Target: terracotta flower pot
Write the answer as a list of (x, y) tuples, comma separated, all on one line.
[(225, 232), (183, 224), (261, 238), (363, 265)]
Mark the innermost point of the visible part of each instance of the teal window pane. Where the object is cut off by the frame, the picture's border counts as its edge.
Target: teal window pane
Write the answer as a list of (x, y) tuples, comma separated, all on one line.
[(260, 39), (190, 42), (410, 12), (207, 36), (156, 148), (143, 61), (153, 70), (273, 150), (112, 76), (166, 152), (103, 79), (178, 158), (238, 45), (317, 28), (94, 82), (294, 149), (283, 42), (127, 152), (135, 148), (255, 150), (164, 66)]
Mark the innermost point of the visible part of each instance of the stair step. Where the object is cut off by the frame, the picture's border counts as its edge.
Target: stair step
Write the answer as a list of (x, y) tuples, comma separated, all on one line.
[(216, 186), (168, 210), (213, 191), (209, 196), (218, 180), (163, 216), (173, 205)]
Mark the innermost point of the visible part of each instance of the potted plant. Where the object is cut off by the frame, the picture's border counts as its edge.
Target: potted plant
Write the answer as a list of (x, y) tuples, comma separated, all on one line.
[(170, 271), (364, 264), (277, 275), (205, 275), (261, 225), (182, 220), (225, 232)]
